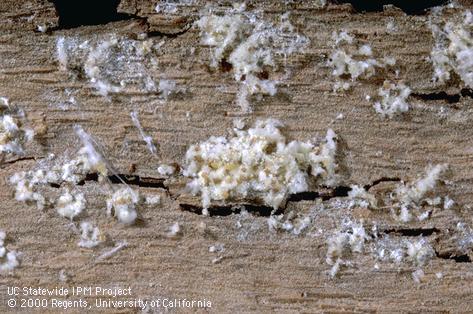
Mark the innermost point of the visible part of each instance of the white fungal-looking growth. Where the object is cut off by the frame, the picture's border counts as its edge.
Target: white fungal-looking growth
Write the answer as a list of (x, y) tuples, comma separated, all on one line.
[(393, 99), (26, 187), (258, 163), (28, 184), (250, 45), (171, 6), (293, 225), (360, 197), (415, 192), (341, 244), (411, 195), (152, 199), (418, 275), (148, 139), (123, 202), (453, 50), (117, 248), (61, 53), (70, 205), (8, 259), (12, 132), (110, 62), (166, 170), (90, 235), (223, 33), (174, 230), (419, 252), (346, 59), (92, 65), (89, 158), (166, 87)]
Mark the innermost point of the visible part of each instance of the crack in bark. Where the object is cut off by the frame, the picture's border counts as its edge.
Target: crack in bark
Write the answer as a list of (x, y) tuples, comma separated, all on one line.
[(381, 180), (13, 161), (267, 211), (412, 232), (259, 210), (120, 178), (74, 14), (418, 7), (463, 258), (449, 98), (168, 35)]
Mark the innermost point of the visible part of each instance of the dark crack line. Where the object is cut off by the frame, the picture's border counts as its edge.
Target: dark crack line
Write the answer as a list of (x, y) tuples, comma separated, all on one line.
[(259, 210), (412, 232), (74, 14), (145, 182), (418, 7), (13, 161), (267, 211), (449, 98), (380, 180), (168, 35), (463, 258)]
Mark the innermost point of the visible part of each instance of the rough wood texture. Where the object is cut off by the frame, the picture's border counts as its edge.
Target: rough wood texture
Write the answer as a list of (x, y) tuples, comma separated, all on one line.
[(260, 271)]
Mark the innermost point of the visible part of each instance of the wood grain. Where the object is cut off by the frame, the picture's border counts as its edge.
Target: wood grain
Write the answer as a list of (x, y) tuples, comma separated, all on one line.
[(260, 271)]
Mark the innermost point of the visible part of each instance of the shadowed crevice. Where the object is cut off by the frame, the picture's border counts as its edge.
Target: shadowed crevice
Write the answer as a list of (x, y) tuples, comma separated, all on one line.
[(414, 7), (88, 12), (412, 232)]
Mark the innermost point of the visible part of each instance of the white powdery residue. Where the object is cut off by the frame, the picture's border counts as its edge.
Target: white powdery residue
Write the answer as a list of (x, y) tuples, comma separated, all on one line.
[(153, 199), (9, 260), (415, 192), (148, 139), (391, 26), (453, 50), (70, 205), (89, 158), (13, 134), (123, 203), (258, 163), (393, 99), (323, 164), (166, 170), (342, 243), (217, 248), (346, 59), (171, 6), (42, 28), (365, 50), (90, 235), (448, 203), (292, 224), (418, 275), (120, 246), (250, 45), (223, 33), (389, 250), (422, 216), (166, 87), (239, 124), (410, 195), (360, 197), (92, 65), (111, 63), (419, 251), (26, 184), (61, 53), (174, 230)]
